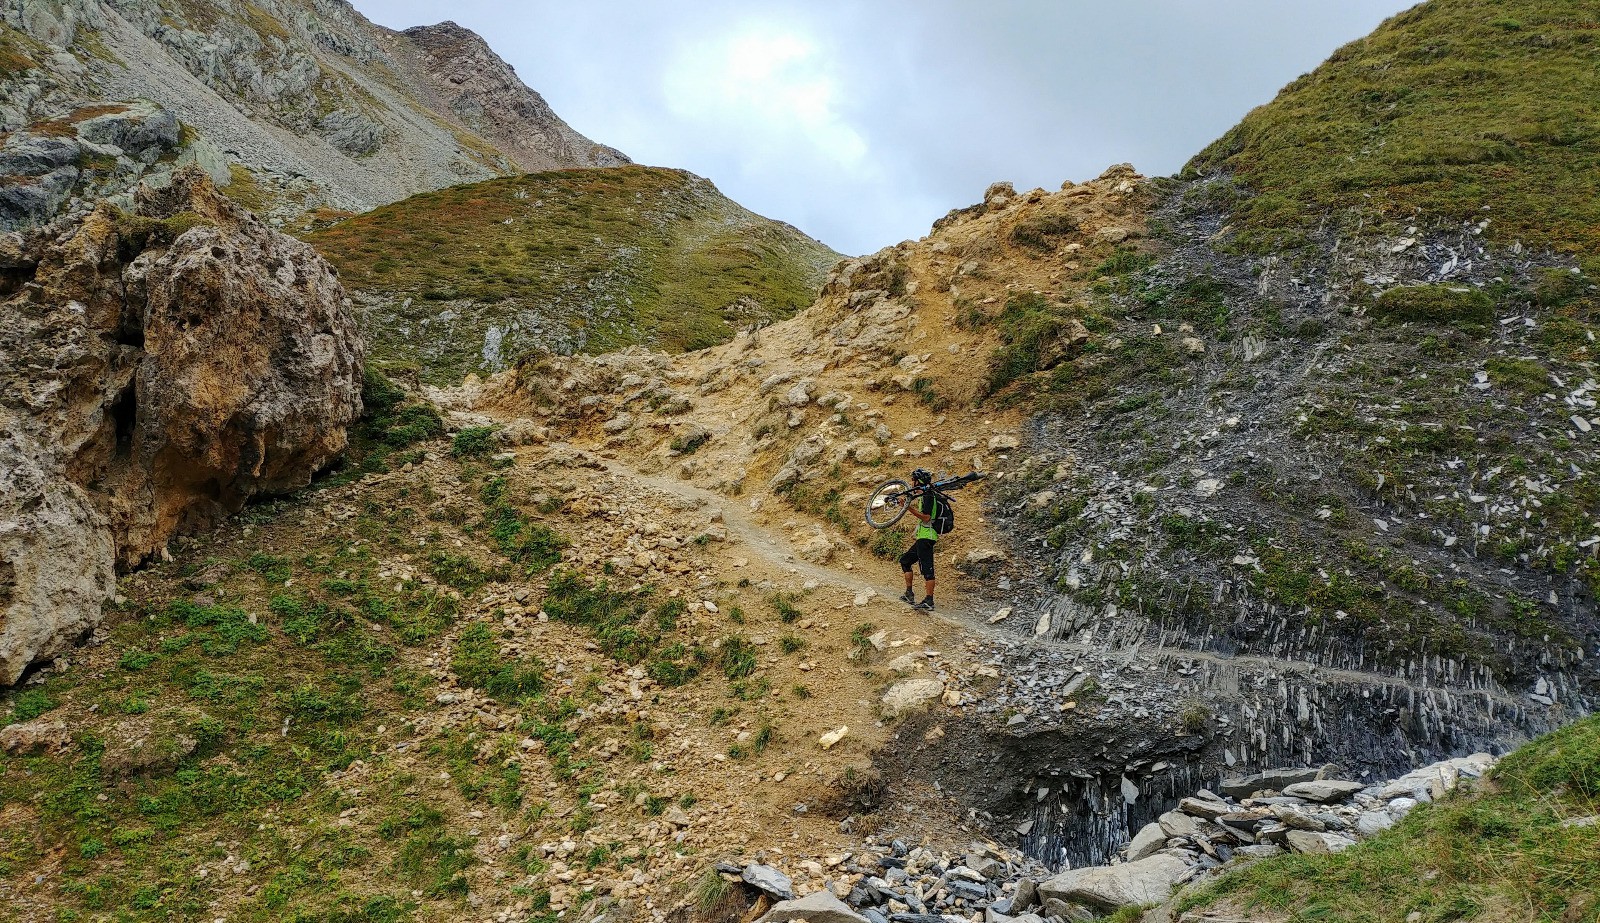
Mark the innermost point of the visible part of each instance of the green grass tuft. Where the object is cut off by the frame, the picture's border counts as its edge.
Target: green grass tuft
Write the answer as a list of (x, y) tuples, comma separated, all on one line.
[(1499, 854)]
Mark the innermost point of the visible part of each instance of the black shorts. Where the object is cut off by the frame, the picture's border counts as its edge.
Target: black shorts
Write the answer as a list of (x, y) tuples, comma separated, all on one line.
[(920, 552)]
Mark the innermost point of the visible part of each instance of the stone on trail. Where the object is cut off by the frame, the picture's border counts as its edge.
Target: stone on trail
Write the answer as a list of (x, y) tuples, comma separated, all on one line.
[(1205, 807), (826, 741), (1270, 780), (1373, 823), (1177, 823), (768, 881), (909, 694), (1148, 881), (818, 907)]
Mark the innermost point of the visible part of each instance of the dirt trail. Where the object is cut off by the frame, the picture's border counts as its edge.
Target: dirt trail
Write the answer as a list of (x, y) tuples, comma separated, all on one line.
[(778, 548)]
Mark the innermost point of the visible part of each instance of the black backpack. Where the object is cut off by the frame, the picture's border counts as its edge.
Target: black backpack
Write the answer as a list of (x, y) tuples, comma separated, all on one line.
[(944, 515)]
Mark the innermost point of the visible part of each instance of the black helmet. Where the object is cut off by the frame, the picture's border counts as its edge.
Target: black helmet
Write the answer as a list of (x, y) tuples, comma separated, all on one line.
[(922, 477)]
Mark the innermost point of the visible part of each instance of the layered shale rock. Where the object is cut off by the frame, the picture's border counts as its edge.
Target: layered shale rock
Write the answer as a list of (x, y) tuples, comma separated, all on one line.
[(157, 369)]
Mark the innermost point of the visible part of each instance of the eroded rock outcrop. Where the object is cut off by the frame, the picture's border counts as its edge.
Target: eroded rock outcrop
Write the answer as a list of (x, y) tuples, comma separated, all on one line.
[(157, 369)]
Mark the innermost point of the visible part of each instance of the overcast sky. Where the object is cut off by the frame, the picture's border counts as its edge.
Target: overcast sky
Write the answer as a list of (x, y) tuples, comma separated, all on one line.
[(862, 122)]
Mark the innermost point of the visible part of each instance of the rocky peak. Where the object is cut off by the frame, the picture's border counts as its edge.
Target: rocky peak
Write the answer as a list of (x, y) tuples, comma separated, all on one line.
[(319, 105), (484, 92)]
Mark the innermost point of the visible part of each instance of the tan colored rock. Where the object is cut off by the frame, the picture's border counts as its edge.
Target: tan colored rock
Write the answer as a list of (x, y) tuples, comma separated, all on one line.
[(159, 370), (911, 694), (41, 735)]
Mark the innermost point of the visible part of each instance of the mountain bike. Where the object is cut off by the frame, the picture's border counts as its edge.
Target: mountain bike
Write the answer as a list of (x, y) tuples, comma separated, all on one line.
[(892, 498)]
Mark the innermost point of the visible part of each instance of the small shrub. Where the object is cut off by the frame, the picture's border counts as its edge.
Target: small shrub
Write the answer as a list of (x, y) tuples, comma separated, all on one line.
[(272, 568), (783, 604), (1041, 231), (923, 389), (690, 443), (1522, 376), (1195, 718), (736, 657), (473, 442), (30, 704), (458, 571)]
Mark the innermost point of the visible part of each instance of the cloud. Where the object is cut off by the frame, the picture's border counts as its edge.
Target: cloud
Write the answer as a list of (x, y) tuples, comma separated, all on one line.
[(861, 123), (772, 86)]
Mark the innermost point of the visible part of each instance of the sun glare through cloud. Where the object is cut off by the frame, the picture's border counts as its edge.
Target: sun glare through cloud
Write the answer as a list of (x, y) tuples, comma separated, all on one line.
[(764, 89)]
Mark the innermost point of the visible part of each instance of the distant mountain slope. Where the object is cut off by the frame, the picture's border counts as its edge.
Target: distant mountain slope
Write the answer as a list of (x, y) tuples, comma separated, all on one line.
[(323, 107), (1454, 109), (466, 278)]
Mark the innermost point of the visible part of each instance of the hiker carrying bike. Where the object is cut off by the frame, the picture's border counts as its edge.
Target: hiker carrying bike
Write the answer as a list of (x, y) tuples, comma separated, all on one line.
[(925, 499), (926, 508)]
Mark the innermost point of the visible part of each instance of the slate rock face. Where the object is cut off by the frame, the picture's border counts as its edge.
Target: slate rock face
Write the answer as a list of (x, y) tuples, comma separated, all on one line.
[(156, 370)]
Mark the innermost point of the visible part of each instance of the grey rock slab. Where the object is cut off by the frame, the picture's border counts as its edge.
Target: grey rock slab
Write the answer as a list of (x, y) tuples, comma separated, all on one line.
[(1177, 823), (1372, 823), (818, 907), (911, 694), (1147, 842), (1304, 841), (1323, 791), (39, 735), (1205, 807), (1270, 780), (769, 881), (1027, 895), (1148, 881)]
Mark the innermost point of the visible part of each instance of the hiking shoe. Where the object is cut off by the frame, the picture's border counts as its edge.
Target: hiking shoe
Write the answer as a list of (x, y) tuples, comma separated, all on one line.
[(909, 597), (926, 605)]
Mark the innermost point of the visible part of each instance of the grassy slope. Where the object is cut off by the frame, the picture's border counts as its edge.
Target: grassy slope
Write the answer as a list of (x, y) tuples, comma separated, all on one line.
[(1501, 854), (292, 657), (1448, 109), (620, 256)]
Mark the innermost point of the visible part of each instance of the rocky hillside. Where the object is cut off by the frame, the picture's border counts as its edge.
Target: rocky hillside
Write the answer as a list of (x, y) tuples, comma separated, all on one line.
[(1290, 492), (292, 104), (468, 279)]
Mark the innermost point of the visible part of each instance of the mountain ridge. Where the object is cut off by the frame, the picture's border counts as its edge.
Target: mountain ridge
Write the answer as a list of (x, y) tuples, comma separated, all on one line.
[(321, 107)]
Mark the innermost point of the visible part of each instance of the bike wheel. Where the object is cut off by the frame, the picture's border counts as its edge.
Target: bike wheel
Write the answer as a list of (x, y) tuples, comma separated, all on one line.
[(887, 504)]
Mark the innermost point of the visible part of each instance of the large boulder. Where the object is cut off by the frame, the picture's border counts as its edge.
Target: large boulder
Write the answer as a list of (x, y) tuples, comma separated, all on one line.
[(1132, 884), (157, 369)]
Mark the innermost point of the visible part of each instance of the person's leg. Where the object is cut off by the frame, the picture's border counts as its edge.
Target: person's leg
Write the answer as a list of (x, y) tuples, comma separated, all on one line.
[(924, 549), (906, 560)]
